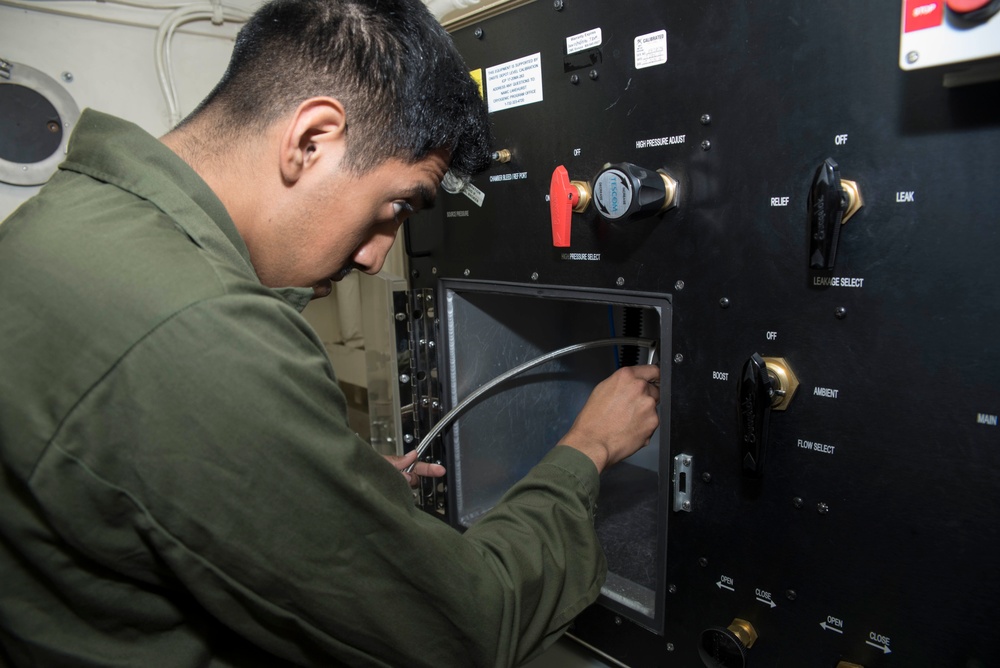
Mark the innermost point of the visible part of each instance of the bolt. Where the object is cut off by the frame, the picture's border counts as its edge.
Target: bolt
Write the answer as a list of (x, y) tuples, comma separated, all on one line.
[(703, 562), (678, 358), (408, 438), (724, 302), (435, 404), (705, 145), (686, 461), (840, 312), (822, 508), (478, 33), (705, 119), (404, 378), (67, 77), (574, 79), (558, 5), (534, 275), (686, 505), (466, 272), (415, 273), (707, 477), (672, 589), (434, 270), (430, 344), (593, 75), (620, 282), (679, 285), (791, 595), (618, 620), (797, 502), (670, 647), (912, 57)]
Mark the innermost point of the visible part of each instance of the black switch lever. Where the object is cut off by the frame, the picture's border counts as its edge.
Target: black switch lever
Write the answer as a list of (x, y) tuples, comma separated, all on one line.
[(832, 201), (827, 203), (755, 392)]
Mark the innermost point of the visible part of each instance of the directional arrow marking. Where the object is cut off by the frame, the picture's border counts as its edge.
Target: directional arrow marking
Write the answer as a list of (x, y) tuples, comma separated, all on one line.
[(722, 586), (768, 601), (827, 627), (885, 648)]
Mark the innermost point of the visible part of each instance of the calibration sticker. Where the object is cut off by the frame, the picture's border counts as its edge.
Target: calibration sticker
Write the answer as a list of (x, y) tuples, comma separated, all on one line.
[(514, 83), (651, 49)]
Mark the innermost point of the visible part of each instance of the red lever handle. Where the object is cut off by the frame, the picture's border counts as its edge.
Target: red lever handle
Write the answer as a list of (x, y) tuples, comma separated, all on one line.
[(562, 198)]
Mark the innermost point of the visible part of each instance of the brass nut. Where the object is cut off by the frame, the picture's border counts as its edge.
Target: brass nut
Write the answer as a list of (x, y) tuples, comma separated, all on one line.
[(785, 380)]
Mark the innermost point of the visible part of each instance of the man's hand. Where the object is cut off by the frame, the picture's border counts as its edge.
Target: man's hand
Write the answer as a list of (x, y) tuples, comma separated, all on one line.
[(619, 417), (422, 469)]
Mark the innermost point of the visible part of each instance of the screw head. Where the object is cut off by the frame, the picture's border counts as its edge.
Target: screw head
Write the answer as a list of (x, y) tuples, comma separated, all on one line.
[(574, 79), (478, 33), (404, 378), (534, 275), (705, 119), (822, 508), (558, 5), (912, 57), (672, 589), (705, 145), (840, 312), (620, 282), (724, 302), (707, 477), (679, 285), (678, 358), (703, 562), (686, 505), (67, 76), (797, 502), (791, 594), (593, 75), (466, 272)]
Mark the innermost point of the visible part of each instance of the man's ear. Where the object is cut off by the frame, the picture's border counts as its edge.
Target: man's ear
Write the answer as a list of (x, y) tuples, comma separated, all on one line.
[(316, 131)]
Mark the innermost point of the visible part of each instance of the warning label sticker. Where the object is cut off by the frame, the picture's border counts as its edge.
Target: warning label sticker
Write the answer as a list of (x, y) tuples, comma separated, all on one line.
[(651, 49), (514, 83)]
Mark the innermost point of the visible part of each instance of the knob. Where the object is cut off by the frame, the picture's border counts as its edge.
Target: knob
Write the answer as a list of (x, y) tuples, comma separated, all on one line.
[(764, 384), (974, 11), (624, 192), (565, 197), (754, 391), (832, 201), (727, 647)]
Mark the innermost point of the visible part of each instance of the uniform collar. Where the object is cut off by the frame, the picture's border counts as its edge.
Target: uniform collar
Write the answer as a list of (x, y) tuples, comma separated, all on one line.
[(123, 154)]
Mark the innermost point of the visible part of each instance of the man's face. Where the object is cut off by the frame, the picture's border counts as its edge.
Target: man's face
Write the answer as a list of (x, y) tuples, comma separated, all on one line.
[(341, 222)]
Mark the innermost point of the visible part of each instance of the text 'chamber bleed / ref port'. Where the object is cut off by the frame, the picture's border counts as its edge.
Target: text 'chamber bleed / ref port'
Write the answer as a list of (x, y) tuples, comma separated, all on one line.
[(491, 328)]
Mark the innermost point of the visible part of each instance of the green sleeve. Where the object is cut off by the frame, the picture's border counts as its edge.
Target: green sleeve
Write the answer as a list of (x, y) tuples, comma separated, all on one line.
[(222, 456)]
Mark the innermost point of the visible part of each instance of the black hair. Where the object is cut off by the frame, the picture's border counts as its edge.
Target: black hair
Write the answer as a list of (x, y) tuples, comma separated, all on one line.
[(405, 87)]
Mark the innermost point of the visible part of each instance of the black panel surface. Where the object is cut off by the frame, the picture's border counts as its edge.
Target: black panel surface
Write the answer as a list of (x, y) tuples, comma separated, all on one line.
[(871, 537)]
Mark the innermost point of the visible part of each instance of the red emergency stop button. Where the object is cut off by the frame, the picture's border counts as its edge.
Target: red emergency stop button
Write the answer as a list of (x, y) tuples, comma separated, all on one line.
[(922, 14), (974, 10)]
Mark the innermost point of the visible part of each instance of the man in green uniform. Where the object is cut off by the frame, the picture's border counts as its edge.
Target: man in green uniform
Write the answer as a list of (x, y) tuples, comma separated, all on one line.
[(179, 484)]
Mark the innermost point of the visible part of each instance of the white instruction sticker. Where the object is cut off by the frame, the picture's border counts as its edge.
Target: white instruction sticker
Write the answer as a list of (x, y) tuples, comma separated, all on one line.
[(514, 83), (651, 49), (583, 41)]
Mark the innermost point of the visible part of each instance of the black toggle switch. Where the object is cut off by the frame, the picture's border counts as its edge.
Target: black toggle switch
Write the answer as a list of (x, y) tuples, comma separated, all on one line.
[(832, 201), (827, 203), (755, 392)]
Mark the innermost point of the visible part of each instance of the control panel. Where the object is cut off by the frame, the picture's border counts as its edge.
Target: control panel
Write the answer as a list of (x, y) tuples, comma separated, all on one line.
[(802, 217)]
